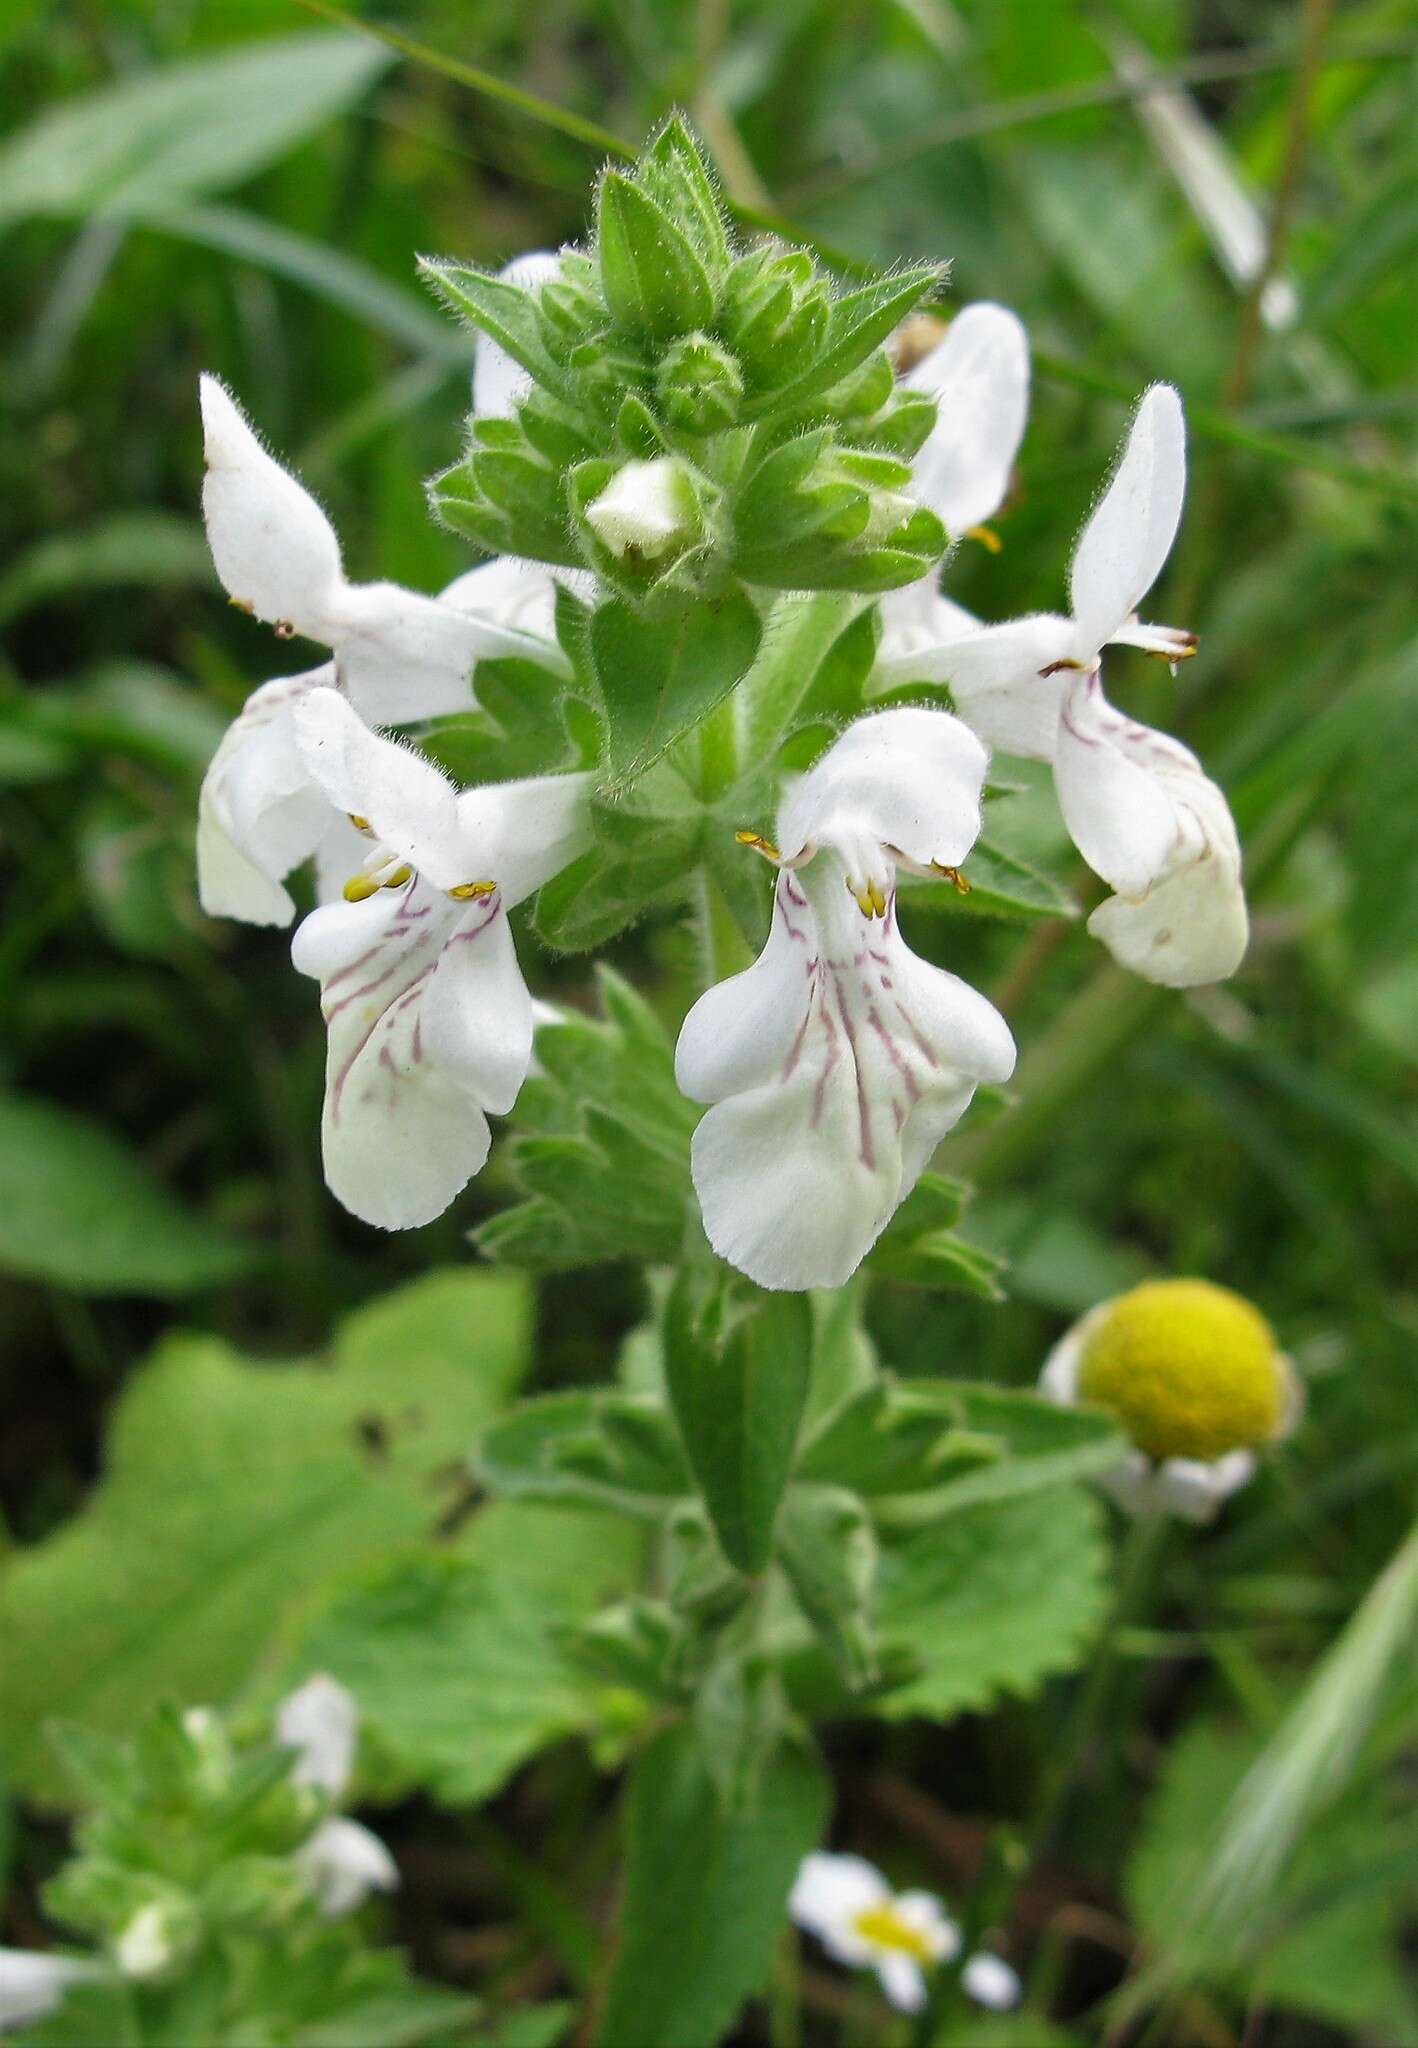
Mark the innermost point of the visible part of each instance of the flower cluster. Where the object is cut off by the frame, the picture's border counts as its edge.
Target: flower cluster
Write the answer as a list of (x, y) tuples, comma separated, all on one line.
[(666, 427)]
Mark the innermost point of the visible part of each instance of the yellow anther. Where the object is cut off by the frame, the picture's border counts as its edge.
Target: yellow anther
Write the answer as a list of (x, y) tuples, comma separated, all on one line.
[(358, 887), (465, 892), (961, 883), (1183, 648), (1190, 1370), (870, 897), (397, 879), (759, 844), (884, 1927), (360, 824), (987, 537)]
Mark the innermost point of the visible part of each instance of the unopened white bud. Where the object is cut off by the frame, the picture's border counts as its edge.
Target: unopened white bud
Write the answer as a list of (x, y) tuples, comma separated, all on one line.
[(145, 1947), (647, 508), (990, 1982)]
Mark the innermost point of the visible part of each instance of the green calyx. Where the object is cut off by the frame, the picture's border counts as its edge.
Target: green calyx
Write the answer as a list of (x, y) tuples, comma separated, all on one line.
[(766, 387)]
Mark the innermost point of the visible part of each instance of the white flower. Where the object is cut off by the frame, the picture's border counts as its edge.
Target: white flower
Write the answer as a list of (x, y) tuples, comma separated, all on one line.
[(398, 656), (343, 1862), (847, 1903), (430, 1022), (1192, 1360), (990, 1982), (1139, 807), (648, 507), (979, 377), (145, 1947), (33, 1984), (838, 1061)]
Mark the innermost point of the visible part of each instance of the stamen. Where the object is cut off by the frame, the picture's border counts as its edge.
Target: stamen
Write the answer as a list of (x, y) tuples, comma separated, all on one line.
[(952, 875), (1056, 667), (359, 887), (283, 629), (869, 896), (465, 892), (1181, 648), (759, 844), (987, 537), (398, 878)]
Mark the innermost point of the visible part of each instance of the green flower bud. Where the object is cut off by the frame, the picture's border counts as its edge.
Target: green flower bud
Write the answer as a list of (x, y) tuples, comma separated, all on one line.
[(699, 385), (776, 313)]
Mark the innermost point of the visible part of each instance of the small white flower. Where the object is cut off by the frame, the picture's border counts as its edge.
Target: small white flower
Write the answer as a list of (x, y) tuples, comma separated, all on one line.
[(839, 1060), (144, 1947), (343, 1862), (320, 1722), (398, 656), (648, 507), (33, 1984), (430, 1022), (979, 377), (1139, 807), (847, 1903), (990, 1982)]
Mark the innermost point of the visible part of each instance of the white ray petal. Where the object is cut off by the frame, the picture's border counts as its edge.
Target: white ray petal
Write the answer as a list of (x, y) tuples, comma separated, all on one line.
[(979, 376), (1129, 536)]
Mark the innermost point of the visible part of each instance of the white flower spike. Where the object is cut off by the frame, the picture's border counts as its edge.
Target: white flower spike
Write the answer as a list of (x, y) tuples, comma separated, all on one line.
[(430, 1022), (342, 1861), (399, 657), (33, 1984), (847, 1903), (1139, 807), (837, 1063), (1193, 1373)]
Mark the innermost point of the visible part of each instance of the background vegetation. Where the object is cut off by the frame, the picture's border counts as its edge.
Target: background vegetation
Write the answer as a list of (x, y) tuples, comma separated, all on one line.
[(171, 200)]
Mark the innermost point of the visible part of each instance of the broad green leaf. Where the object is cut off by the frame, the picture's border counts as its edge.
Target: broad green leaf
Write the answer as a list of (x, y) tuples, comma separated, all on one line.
[(660, 677), (232, 1493), (992, 1601), (706, 1891), (654, 282), (184, 129), (78, 1210), (455, 1660), (737, 1368), (1002, 884), (155, 549)]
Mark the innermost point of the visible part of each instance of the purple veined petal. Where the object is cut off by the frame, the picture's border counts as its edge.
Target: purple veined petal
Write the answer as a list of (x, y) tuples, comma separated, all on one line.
[(741, 1031), (477, 1011), (908, 780), (411, 806), (259, 814), (401, 1134), (274, 549), (1129, 536), (979, 376), (1117, 808)]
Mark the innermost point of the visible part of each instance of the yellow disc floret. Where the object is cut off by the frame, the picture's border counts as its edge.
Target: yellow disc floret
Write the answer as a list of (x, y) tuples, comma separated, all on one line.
[(884, 1927), (1190, 1370)]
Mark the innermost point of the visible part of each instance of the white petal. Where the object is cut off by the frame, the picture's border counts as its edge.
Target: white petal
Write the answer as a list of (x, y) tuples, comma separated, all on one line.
[(990, 1982), (341, 853), (144, 1947), (830, 1891), (1133, 1484), (33, 1984), (259, 814), (411, 805), (902, 1982), (1122, 548), (908, 780), (916, 618), (924, 1912), (740, 1031), (1116, 805), (274, 549), (1195, 1488), (995, 679), (321, 1722), (520, 834), (343, 1862), (508, 592), (498, 381), (404, 657), (401, 1134), (477, 1013), (1189, 930), (979, 376), (1058, 1379)]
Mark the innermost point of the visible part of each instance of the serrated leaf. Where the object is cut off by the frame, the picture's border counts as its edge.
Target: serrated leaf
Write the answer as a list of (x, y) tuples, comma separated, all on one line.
[(232, 1492), (1037, 1443), (78, 1210), (659, 678), (860, 320), (653, 279), (992, 1601), (706, 1891)]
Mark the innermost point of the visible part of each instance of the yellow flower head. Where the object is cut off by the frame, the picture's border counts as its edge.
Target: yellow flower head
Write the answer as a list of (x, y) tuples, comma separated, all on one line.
[(1190, 1370)]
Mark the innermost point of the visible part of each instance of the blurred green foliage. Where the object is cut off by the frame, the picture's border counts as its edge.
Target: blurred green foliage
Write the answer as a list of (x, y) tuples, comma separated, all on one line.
[(176, 194)]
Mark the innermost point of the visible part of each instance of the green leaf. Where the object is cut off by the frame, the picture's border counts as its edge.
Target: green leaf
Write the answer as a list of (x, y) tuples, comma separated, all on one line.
[(706, 1891), (455, 1660), (1002, 884), (660, 677), (506, 313), (919, 1248), (185, 129), (737, 1367), (654, 282), (828, 1548), (76, 1209), (232, 1493), (155, 549), (992, 1601), (860, 320), (527, 2026), (675, 171), (599, 1450)]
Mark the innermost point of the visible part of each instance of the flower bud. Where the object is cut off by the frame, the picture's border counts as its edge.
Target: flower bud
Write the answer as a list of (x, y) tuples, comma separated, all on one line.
[(776, 314), (699, 385), (154, 1939), (648, 509)]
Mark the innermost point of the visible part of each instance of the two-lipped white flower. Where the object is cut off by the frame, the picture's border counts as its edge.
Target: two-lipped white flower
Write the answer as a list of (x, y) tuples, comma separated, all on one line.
[(1137, 803), (847, 1903), (398, 656), (839, 1060), (342, 1861), (978, 376), (430, 1022)]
